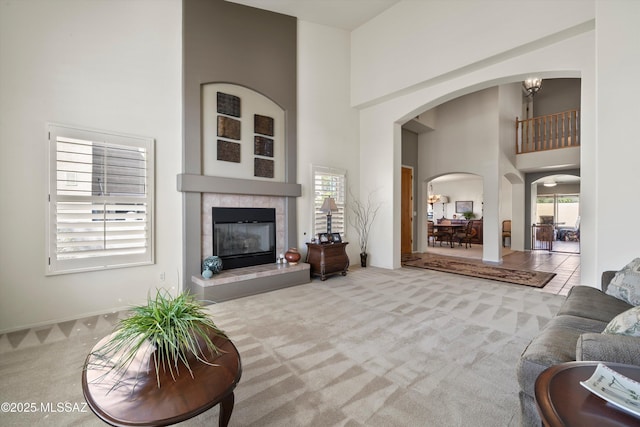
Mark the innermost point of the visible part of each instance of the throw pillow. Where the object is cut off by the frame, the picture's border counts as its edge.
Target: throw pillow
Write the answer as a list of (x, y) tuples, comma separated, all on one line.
[(625, 285), (625, 323)]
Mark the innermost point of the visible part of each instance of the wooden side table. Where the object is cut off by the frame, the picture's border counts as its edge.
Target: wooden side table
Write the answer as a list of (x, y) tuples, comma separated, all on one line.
[(138, 401), (327, 259), (562, 401)]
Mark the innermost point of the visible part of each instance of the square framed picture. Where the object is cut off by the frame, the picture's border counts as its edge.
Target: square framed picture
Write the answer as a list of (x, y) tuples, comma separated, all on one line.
[(462, 207), (324, 238), (335, 238)]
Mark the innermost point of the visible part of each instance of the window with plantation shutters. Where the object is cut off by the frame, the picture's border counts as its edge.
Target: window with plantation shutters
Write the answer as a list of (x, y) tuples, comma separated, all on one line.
[(100, 200), (329, 182)]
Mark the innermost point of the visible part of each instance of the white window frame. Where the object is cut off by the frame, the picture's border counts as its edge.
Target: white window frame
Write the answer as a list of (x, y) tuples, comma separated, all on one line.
[(84, 229), (338, 192)]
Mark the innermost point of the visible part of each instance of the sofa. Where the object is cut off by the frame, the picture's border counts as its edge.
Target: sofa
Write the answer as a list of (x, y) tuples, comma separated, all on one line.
[(576, 333)]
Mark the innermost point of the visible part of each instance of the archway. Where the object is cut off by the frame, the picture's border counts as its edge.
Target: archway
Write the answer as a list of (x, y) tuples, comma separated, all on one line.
[(555, 201), (488, 152), (382, 122), (455, 197)]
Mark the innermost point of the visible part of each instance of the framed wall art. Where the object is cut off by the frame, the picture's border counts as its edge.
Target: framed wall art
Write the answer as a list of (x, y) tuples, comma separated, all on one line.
[(228, 104), (462, 207)]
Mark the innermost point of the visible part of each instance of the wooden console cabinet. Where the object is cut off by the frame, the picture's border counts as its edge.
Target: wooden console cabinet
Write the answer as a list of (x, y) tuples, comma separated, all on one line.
[(327, 259)]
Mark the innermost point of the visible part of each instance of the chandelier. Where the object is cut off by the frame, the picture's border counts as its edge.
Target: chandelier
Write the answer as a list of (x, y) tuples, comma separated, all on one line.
[(433, 198), (436, 198), (532, 86)]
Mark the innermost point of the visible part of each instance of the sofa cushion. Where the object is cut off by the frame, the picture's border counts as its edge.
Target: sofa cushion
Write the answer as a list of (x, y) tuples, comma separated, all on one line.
[(625, 285), (555, 344), (625, 323), (608, 348), (592, 303)]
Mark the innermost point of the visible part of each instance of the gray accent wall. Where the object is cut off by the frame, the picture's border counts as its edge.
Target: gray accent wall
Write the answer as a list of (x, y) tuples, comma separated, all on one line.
[(229, 43), (557, 95)]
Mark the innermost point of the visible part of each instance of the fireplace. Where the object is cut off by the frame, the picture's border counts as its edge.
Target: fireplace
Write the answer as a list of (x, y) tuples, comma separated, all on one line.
[(243, 237)]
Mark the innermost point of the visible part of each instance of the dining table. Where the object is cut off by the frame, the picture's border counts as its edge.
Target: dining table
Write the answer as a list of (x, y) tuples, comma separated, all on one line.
[(448, 229)]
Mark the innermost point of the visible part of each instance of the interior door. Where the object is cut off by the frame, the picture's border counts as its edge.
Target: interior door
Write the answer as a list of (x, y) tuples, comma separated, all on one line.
[(406, 245)]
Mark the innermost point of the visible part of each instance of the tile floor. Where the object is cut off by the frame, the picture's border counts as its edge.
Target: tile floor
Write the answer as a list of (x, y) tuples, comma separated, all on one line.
[(566, 265)]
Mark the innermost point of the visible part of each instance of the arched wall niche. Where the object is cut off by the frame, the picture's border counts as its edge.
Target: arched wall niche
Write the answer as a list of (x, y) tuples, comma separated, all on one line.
[(254, 147)]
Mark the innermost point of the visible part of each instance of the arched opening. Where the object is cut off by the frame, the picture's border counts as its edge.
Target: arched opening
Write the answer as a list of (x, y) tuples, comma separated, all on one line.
[(455, 199), (555, 201), (462, 133)]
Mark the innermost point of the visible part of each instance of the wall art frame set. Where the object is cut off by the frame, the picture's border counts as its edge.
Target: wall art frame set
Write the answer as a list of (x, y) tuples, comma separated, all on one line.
[(229, 132)]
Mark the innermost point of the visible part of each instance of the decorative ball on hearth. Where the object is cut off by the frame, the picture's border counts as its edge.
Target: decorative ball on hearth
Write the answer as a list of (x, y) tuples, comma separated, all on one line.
[(213, 263)]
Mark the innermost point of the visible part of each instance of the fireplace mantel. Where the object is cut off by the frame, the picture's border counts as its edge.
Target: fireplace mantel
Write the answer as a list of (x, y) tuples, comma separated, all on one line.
[(216, 184), (204, 191)]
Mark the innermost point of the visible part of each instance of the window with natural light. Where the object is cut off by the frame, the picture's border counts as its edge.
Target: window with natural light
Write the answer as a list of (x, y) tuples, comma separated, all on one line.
[(100, 200), (329, 182)]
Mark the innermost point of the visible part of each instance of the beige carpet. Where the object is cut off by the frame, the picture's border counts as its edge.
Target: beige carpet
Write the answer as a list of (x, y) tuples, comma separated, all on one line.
[(407, 347), (476, 268)]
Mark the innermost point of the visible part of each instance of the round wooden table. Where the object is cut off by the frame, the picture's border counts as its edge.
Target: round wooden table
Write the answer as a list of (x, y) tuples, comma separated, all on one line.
[(562, 401), (136, 400)]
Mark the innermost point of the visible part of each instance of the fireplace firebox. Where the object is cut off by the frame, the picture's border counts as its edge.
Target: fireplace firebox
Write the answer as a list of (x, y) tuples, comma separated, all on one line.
[(243, 237)]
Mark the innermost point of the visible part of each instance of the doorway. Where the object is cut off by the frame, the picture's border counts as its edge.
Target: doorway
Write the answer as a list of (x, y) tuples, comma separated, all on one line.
[(562, 210), (406, 242)]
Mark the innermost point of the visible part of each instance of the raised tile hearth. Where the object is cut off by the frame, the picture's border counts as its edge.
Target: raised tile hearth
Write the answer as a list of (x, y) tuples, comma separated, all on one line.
[(241, 282)]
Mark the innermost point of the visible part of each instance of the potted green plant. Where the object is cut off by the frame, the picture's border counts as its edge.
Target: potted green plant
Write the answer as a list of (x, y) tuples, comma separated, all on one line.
[(364, 213), (172, 329), (468, 215)]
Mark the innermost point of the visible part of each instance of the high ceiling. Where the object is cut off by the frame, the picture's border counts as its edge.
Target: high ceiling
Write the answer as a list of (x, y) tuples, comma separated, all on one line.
[(345, 14)]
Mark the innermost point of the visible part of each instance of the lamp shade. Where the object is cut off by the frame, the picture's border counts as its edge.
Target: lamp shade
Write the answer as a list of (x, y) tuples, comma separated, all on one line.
[(443, 199), (329, 205)]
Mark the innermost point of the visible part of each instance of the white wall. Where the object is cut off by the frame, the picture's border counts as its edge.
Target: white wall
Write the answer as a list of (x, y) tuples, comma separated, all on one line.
[(414, 42), (466, 128), (465, 140), (511, 196), (327, 125), (110, 65), (617, 149), (463, 189)]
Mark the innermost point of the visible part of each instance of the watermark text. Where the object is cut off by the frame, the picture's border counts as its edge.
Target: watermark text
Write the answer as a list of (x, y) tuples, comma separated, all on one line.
[(43, 407)]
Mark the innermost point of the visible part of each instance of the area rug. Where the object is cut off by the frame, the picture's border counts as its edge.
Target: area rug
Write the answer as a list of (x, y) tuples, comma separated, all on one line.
[(467, 267)]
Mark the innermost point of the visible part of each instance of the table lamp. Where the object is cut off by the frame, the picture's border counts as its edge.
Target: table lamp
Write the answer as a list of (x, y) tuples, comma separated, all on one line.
[(328, 206)]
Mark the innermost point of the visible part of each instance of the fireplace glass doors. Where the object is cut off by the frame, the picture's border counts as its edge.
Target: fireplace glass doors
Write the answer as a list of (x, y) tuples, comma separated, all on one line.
[(243, 237)]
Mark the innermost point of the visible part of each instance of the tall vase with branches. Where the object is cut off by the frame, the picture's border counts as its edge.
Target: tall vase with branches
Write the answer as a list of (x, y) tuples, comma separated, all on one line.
[(364, 213)]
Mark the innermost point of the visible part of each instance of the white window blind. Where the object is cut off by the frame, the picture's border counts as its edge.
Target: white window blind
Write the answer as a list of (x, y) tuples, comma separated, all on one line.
[(100, 200), (329, 182)]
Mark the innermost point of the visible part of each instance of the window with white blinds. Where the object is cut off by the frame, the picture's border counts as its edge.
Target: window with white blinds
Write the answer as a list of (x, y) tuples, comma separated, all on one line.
[(329, 182), (100, 200)]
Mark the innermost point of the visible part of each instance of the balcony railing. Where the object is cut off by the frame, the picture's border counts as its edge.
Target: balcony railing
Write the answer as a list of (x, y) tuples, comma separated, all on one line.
[(560, 130)]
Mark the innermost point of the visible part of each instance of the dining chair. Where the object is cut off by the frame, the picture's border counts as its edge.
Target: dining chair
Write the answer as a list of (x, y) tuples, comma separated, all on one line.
[(465, 235), (431, 236), (444, 234), (506, 232), (573, 234)]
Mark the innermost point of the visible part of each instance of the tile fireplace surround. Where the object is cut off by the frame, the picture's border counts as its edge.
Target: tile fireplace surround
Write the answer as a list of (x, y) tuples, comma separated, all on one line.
[(246, 281), (210, 200)]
